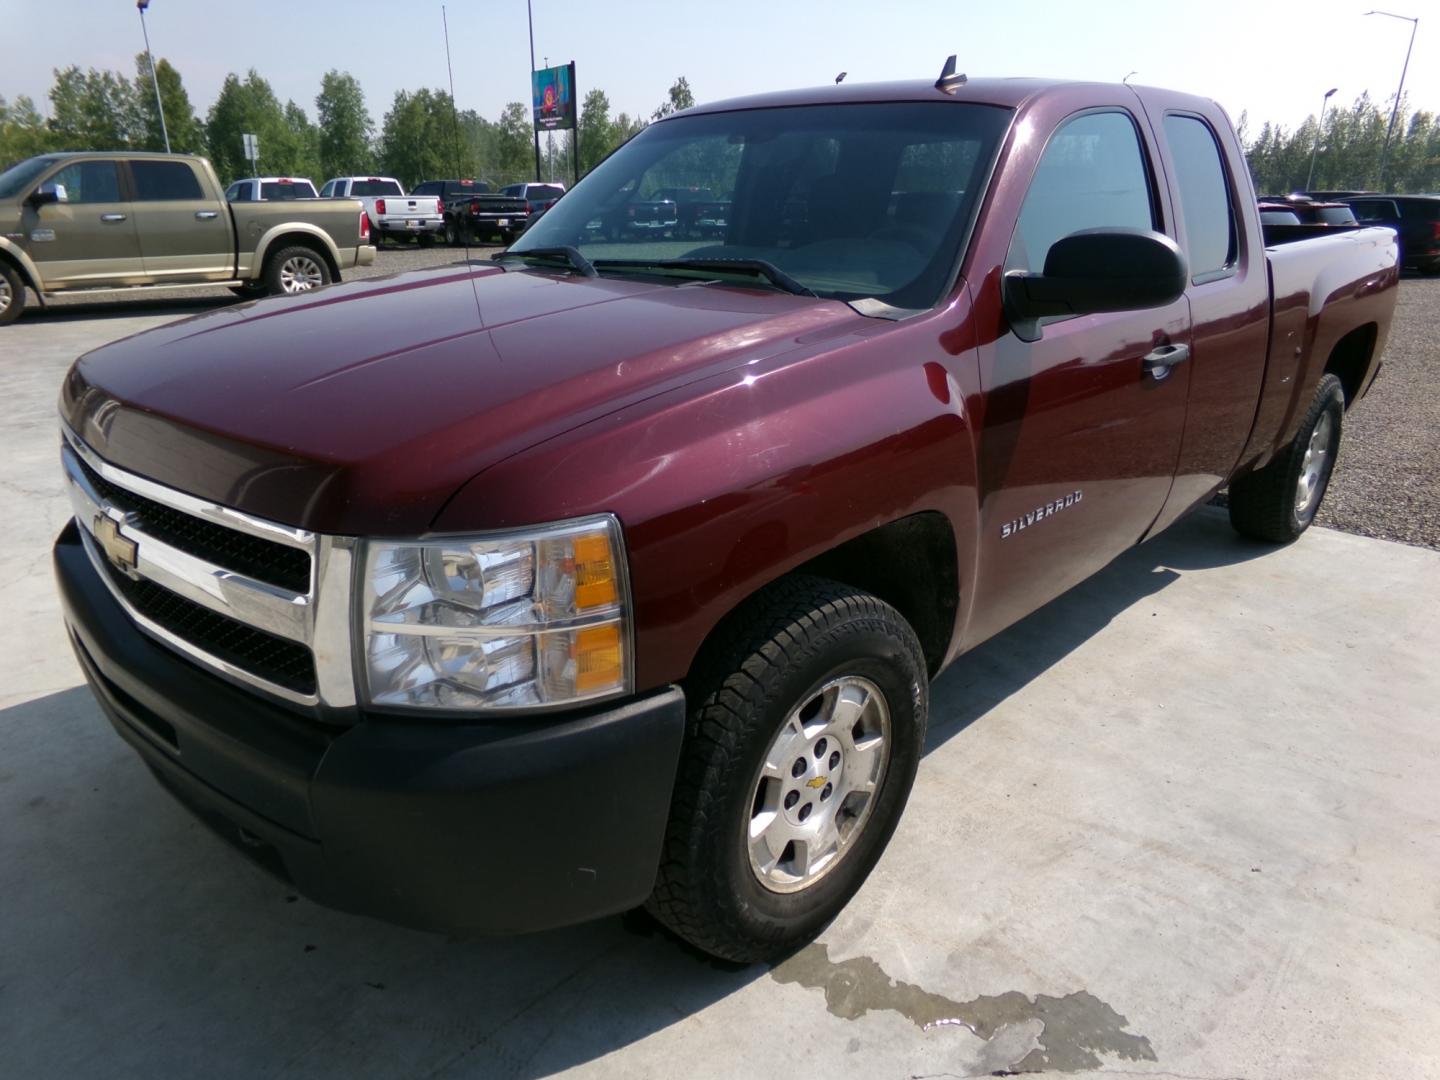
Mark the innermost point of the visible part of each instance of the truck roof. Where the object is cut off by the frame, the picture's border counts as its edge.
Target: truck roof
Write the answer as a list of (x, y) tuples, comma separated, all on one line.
[(1009, 93), (158, 155)]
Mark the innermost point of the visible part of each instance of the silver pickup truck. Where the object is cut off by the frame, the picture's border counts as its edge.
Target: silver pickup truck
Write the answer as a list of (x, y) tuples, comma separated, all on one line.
[(113, 221)]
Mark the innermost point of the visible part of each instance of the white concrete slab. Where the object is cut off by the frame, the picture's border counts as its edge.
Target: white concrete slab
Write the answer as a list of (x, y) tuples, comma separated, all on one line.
[(1183, 822)]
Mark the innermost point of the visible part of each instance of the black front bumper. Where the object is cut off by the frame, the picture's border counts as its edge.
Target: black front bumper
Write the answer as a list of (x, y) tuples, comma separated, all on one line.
[(464, 828)]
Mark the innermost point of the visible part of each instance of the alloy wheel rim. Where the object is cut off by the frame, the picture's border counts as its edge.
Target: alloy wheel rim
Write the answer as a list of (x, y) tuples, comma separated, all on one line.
[(817, 785), (7, 295), (1313, 468), (300, 274)]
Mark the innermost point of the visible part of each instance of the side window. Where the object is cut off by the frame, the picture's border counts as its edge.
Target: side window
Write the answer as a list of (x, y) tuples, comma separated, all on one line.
[(90, 182), (1374, 211), (1092, 175), (239, 192), (164, 181), (1204, 197)]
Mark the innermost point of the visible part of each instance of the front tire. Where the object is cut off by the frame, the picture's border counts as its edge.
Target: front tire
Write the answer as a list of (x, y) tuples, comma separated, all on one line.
[(800, 752), (12, 294), (295, 270), (1279, 502)]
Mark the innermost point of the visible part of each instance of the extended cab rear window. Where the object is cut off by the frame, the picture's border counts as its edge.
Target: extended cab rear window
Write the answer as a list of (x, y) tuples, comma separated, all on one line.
[(370, 189), (1210, 232)]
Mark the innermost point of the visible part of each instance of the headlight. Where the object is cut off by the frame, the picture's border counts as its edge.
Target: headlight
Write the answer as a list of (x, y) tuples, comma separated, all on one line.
[(515, 620)]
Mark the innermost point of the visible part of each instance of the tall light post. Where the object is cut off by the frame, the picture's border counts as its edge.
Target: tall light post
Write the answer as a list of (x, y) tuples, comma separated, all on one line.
[(1395, 110), (141, 5), (530, 15), (1310, 178)]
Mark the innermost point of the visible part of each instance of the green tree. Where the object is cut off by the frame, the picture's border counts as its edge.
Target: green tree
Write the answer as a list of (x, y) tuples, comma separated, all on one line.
[(251, 106), (93, 110), (23, 132), (420, 139), (187, 135), (346, 127), (514, 144), (302, 147), (598, 133), (679, 97)]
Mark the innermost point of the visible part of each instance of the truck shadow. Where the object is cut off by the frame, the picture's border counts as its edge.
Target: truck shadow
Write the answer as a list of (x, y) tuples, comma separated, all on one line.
[(88, 311), (1006, 663), (137, 944)]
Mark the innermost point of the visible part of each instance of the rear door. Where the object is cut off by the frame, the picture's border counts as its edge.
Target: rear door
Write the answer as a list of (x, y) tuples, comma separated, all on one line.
[(184, 235), (1229, 295), (90, 238)]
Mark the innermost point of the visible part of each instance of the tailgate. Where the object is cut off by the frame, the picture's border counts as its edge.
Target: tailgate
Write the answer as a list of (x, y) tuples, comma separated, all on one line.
[(408, 206)]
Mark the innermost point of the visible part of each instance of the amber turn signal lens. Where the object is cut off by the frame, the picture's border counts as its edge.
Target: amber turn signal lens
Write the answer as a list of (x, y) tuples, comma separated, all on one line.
[(594, 572), (599, 664)]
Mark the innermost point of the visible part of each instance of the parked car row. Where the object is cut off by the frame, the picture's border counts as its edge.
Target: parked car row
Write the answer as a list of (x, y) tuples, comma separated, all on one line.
[(1415, 219)]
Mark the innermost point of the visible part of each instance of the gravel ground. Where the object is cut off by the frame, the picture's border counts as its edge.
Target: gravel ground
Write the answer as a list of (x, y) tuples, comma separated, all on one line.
[(1387, 482)]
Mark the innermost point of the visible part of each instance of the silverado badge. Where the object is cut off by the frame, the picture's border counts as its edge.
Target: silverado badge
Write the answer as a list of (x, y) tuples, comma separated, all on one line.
[(1040, 513), (122, 552)]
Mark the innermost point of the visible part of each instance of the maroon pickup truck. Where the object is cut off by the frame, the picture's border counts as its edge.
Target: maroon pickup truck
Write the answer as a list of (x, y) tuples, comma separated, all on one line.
[(615, 572)]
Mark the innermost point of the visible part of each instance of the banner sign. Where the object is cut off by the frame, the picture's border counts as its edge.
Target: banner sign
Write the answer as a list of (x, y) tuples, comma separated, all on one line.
[(553, 95)]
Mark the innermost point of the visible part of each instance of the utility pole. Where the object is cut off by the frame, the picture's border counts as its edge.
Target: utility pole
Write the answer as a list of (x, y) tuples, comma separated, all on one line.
[(530, 14), (141, 5)]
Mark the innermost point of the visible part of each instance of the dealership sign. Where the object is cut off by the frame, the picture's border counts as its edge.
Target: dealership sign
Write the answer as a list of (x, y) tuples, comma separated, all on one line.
[(553, 95)]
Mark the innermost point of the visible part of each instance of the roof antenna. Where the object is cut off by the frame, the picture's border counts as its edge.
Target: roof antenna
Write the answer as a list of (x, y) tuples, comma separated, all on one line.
[(1126, 79), (841, 77), (948, 80)]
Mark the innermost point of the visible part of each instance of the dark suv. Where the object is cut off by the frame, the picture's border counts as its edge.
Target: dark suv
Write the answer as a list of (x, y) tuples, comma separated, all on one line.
[(1416, 221)]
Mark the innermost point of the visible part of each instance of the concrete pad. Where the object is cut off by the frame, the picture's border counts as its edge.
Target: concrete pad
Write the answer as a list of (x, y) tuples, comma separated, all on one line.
[(1182, 822)]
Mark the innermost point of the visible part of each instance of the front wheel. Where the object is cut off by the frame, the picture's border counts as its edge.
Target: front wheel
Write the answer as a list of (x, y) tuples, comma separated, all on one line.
[(295, 270), (12, 294), (1278, 503), (800, 753)]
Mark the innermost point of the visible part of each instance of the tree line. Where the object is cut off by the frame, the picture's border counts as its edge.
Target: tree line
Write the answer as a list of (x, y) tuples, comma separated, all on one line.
[(1349, 149), (422, 136)]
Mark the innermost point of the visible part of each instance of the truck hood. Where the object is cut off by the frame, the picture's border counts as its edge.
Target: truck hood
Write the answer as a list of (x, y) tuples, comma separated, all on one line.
[(360, 409)]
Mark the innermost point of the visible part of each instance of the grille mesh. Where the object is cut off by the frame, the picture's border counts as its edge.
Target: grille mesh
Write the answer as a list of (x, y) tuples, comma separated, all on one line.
[(264, 560), (285, 663)]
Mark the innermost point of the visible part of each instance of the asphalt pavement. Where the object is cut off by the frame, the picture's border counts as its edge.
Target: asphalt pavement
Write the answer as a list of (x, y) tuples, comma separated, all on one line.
[(1181, 822)]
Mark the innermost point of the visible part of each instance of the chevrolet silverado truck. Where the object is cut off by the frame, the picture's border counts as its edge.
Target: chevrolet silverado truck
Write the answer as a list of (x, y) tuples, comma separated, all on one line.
[(122, 221), (614, 572), (392, 213)]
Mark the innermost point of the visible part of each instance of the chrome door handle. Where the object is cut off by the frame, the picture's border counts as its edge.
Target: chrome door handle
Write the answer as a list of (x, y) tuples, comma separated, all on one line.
[(206, 215), (1159, 361), (112, 217)]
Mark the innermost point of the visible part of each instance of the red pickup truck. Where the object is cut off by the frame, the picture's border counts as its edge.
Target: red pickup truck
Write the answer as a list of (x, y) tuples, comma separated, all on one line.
[(615, 572)]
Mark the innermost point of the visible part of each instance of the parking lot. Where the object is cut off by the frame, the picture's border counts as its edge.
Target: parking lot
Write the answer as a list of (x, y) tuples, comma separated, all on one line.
[(1181, 822)]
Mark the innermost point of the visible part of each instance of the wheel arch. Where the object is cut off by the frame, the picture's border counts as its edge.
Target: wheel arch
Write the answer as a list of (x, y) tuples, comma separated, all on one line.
[(282, 236), (1352, 360), (29, 274)]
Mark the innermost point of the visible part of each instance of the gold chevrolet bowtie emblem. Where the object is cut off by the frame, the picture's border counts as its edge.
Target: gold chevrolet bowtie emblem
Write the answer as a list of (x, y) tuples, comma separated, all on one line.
[(120, 550), (817, 782)]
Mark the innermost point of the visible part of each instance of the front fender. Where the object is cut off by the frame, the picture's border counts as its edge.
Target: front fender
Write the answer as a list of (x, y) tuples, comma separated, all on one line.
[(725, 485)]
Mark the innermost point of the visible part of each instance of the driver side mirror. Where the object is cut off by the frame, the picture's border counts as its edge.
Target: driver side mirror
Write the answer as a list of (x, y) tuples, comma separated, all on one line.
[(1093, 271), (49, 192)]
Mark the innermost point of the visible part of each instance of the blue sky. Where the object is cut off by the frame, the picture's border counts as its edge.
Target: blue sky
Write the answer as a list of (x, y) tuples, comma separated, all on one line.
[(1273, 59)]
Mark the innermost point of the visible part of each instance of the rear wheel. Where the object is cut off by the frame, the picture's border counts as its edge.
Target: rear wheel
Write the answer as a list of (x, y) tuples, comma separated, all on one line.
[(452, 234), (425, 240), (295, 270), (1278, 503), (12, 294), (800, 753)]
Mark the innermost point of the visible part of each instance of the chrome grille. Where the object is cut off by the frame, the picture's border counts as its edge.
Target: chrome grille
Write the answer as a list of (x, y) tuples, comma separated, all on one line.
[(257, 602)]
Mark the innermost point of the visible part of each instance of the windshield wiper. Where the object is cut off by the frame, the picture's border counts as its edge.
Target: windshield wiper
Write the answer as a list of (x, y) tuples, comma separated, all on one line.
[(759, 267), (579, 263)]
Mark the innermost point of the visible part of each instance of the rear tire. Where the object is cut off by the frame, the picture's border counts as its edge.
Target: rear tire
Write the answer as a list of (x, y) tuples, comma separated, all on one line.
[(425, 240), (294, 270), (800, 751), (12, 294), (1278, 503)]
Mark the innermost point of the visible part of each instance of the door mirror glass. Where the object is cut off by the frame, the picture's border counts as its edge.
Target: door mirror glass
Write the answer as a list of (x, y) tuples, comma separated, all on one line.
[(1093, 271), (50, 192)]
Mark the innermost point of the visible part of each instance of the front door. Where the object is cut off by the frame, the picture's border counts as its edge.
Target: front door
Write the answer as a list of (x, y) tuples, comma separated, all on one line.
[(185, 234), (90, 239), (1082, 428)]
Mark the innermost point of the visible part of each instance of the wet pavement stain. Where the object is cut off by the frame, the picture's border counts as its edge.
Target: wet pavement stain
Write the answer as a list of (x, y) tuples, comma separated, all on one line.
[(1066, 1034)]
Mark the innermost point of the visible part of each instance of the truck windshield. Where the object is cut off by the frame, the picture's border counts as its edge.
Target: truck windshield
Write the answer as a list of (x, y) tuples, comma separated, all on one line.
[(18, 177), (850, 201)]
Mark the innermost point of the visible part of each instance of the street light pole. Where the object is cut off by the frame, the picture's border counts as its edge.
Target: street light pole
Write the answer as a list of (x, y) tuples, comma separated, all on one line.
[(1395, 109), (1310, 179), (141, 5)]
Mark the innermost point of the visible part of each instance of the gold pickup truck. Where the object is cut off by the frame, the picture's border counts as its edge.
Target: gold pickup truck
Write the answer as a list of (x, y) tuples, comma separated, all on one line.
[(121, 221)]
